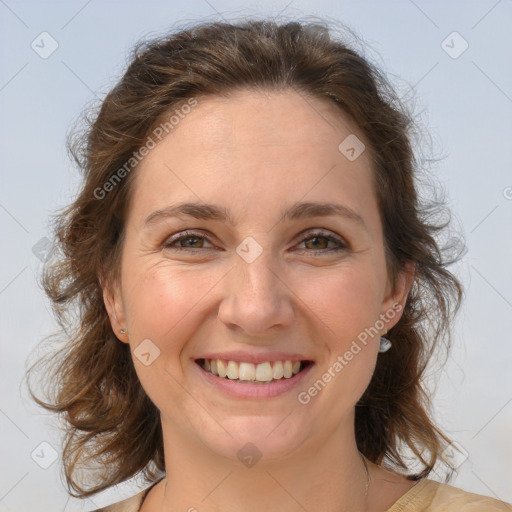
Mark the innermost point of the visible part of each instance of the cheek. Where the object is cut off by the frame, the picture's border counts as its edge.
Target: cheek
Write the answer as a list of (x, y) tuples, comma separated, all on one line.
[(346, 300), (163, 306), (346, 305), (164, 303), (168, 305)]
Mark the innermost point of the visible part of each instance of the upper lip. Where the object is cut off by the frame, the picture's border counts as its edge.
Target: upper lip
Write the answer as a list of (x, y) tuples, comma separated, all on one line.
[(251, 357)]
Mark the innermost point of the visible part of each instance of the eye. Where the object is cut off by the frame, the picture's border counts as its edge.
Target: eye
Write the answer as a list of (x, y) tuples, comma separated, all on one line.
[(187, 241), (318, 242)]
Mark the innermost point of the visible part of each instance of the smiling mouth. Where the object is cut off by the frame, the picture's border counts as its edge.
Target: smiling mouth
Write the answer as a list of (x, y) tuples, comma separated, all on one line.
[(249, 373)]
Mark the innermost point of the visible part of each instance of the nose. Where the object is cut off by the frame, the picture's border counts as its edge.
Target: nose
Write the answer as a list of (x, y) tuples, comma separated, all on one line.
[(257, 299)]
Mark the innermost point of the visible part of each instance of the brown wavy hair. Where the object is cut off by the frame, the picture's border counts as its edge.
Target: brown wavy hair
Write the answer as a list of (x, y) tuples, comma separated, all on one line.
[(109, 421)]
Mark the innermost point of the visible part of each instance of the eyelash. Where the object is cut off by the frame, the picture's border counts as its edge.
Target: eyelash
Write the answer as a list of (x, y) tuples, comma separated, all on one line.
[(343, 246)]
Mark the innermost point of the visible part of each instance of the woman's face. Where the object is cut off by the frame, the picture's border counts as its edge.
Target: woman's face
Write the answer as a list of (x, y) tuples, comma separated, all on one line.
[(257, 272)]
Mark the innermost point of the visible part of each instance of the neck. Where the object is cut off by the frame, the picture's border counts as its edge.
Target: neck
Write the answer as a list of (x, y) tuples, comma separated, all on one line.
[(322, 475)]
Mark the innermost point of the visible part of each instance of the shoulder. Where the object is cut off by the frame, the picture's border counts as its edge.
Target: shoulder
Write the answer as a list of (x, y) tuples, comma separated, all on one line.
[(430, 496), (131, 504), (425, 496)]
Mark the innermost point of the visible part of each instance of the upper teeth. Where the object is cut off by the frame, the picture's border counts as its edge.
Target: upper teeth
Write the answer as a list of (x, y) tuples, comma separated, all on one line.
[(262, 372)]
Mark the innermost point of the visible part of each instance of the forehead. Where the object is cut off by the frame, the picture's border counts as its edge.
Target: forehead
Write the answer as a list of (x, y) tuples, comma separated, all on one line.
[(250, 118), (255, 146)]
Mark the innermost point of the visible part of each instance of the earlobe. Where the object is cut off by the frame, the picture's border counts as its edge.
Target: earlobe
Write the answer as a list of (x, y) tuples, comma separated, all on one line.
[(114, 307)]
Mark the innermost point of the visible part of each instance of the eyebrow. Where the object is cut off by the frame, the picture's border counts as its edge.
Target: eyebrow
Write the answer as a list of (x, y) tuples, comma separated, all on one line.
[(298, 211)]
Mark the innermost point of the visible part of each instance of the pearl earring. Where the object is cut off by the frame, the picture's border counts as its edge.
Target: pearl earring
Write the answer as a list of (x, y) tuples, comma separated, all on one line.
[(384, 344), (122, 331)]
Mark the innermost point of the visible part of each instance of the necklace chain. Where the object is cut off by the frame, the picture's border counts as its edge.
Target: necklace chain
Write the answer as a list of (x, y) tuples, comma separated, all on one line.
[(367, 475)]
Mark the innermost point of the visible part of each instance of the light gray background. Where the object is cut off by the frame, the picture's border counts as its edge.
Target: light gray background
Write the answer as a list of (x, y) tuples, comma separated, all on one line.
[(466, 104)]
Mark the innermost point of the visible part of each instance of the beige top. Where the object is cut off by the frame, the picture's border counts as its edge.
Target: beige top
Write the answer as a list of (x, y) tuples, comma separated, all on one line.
[(425, 496)]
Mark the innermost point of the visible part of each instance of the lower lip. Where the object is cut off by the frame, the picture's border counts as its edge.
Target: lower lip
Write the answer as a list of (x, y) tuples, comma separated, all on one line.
[(243, 390)]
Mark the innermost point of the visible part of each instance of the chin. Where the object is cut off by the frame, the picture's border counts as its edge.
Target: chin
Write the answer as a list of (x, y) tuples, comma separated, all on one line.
[(259, 438)]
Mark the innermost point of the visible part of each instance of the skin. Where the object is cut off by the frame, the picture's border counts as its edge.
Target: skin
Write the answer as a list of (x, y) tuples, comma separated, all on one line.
[(256, 153)]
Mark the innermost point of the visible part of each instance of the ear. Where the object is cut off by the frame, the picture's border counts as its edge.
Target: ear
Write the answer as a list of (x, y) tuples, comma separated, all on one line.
[(396, 297), (114, 306)]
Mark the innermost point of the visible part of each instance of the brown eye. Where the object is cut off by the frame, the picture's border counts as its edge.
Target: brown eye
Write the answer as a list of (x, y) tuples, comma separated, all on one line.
[(319, 242), (187, 241), (194, 241)]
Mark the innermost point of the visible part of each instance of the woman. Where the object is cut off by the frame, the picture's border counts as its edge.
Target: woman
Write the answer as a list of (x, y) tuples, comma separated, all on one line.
[(258, 285)]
